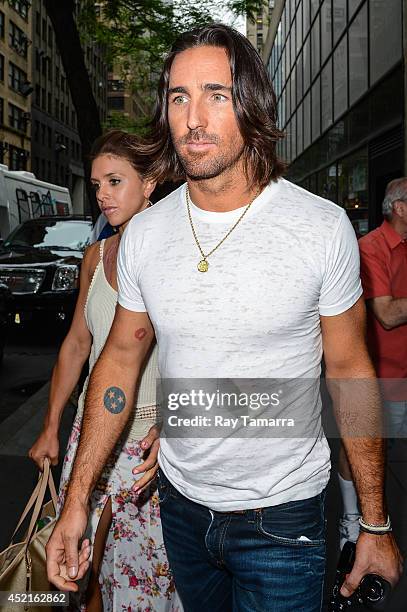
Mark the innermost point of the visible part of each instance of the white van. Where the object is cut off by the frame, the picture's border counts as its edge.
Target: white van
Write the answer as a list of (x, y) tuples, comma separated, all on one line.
[(22, 196)]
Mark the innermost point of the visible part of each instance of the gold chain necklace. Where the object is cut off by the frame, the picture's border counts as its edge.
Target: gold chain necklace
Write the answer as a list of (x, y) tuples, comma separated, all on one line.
[(203, 265)]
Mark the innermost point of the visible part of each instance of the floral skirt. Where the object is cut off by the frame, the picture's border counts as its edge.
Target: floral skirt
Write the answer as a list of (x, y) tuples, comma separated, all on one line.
[(134, 575)]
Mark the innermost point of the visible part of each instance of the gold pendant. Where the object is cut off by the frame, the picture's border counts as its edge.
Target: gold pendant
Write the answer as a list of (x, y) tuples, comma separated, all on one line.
[(203, 265)]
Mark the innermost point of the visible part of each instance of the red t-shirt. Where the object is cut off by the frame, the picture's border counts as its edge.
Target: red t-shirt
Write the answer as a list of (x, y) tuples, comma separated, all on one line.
[(383, 270)]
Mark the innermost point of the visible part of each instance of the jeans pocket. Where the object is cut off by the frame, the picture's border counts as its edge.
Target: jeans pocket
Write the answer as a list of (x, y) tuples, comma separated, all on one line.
[(300, 523), (163, 487)]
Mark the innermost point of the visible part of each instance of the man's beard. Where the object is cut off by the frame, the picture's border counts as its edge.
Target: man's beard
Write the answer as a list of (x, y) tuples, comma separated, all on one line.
[(196, 167)]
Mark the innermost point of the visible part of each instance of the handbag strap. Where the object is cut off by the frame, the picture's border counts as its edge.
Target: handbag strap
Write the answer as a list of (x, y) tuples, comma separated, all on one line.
[(45, 480), (28, 507), (37, 499)]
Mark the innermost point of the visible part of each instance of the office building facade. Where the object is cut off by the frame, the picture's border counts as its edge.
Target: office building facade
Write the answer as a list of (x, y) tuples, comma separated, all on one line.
[(257, 28), (338, 71), (56, 149), (15, 85)]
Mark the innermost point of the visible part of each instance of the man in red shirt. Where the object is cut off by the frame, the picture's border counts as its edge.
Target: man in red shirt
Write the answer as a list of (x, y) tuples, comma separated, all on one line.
[(383, 260)]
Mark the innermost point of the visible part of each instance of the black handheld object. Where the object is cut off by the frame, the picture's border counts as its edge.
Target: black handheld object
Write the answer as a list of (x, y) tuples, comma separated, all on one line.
[(372, 593)]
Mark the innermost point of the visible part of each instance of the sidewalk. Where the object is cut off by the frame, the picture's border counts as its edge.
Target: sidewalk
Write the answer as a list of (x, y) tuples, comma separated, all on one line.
[(18, 474)]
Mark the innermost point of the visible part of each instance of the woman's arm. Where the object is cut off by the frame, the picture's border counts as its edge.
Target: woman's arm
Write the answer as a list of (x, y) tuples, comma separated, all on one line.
[(73, 354)]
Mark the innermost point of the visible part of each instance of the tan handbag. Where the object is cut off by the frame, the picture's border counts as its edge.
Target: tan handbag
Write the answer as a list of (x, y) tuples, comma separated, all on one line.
[(23, 565)]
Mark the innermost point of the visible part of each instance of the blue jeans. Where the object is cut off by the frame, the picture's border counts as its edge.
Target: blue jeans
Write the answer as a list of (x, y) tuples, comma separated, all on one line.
[(266, 560), (396, 418)]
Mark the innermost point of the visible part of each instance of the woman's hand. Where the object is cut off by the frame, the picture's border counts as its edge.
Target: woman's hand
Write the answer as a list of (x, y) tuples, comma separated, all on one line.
[(151, 444), (46, 445)]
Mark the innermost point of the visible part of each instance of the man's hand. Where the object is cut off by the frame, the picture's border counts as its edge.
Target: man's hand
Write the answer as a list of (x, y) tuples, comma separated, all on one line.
[(374, 555), (64, 562), (151, 444), (46, 445)]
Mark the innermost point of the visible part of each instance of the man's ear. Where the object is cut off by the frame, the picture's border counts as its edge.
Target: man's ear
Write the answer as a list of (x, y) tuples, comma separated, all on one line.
[(149, 187)]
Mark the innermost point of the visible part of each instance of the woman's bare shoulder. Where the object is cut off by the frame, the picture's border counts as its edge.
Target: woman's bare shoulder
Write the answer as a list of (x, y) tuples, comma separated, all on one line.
[(91, 258)]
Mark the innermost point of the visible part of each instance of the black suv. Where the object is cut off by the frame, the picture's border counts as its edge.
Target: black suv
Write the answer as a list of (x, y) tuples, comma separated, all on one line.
[(4, 316), (40, 263)]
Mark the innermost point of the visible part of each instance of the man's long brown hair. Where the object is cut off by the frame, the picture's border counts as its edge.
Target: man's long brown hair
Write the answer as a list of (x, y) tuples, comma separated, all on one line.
[(254, 103)]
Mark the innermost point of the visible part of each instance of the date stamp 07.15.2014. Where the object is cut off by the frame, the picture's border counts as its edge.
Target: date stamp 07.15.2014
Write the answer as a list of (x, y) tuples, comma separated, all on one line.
[(29, 599)]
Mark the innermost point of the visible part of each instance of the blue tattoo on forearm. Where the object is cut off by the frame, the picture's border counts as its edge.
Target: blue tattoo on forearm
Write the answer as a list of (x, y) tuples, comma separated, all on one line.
[(114, 400)]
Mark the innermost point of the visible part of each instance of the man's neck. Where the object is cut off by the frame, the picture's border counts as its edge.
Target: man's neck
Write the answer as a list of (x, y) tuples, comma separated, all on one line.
[(400, 227), (223, 193)]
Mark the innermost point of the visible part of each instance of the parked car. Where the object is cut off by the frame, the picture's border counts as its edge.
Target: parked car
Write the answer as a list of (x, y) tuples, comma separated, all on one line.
[(4, 317), (40, 263)]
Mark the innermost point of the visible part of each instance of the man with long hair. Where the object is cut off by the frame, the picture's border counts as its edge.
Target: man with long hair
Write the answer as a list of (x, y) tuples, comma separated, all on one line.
[(243, 276)]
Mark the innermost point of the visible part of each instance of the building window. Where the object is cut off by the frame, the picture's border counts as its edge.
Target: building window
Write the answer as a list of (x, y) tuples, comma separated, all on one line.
[(38, 95), (326, 95), (37, 60), (21, 7), (315, 107), (326, 30), (315, 49), (16, 118), (49, 105), (38, 23), (306, 17), (1, 111), (293, 137), (300, 126), (115, 85), (298, 27), (17, 158), (354, 5), (50, 37), (340, 78), (353, 189), (1, 67), (339, 17), (314, 8), (298, 78), (116, 103), (44, 30), (327, 183), (307, 120), (307, 64), (358, 65), (385, 36), (17, 39), (16, 77), (2, 21), (293, 91)]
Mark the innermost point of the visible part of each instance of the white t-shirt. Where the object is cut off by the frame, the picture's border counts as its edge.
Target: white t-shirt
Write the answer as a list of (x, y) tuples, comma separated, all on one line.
[(254, 314)]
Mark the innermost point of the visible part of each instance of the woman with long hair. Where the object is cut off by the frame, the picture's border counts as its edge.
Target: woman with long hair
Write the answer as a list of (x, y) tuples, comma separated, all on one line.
[(129, 569)]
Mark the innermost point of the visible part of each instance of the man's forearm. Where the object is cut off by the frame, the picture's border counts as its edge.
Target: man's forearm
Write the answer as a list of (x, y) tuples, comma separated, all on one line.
[(109, 403), (391, 314), (358, 411)]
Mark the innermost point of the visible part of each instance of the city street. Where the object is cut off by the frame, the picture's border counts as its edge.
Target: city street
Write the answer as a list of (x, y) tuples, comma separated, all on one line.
[(29, 356)]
